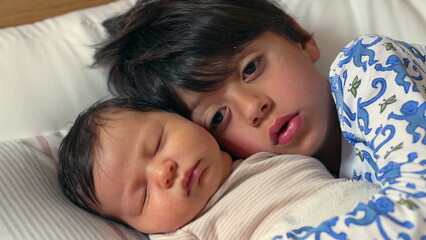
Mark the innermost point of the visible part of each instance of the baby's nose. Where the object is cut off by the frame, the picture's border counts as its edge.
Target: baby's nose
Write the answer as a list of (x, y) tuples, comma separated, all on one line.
[(165, 173)]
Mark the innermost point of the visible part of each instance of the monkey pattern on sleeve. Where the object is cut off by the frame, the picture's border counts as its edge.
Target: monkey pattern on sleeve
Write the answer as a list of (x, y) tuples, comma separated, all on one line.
[(379, 86)]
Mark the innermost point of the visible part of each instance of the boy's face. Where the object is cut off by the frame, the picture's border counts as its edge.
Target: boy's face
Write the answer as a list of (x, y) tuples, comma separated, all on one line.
[(156, 171), (275, 101)]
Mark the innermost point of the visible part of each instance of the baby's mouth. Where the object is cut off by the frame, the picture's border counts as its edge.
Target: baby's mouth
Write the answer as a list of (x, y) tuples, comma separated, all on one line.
[(191, 178)]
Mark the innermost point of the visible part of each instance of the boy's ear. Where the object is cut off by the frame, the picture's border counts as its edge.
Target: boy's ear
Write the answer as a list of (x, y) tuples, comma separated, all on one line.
[(310, 46), (312, 49)]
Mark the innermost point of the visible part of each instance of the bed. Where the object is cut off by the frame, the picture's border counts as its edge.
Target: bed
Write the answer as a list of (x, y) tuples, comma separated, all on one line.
[(46, 80)]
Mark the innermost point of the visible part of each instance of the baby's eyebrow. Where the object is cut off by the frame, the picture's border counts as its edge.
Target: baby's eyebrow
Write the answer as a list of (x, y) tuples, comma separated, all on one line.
[(142, 201)]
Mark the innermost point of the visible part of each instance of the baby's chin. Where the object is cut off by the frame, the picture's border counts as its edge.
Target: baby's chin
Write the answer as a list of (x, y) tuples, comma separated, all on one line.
[(164, 228), (173, 222)]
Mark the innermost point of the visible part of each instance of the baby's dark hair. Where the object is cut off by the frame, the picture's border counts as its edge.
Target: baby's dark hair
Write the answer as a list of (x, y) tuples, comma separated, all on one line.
[(77, 147), (159, 47)]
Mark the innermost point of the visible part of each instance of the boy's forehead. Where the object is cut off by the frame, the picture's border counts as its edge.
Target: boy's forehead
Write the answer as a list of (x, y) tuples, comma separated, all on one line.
[(191, 98), (259, 41)]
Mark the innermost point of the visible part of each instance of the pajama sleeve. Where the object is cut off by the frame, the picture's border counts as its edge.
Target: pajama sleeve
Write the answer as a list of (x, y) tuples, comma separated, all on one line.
[(379, 86)]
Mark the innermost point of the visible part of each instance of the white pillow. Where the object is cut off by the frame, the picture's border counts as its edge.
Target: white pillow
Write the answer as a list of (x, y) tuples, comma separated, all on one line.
[(46, 79), (32, 205)]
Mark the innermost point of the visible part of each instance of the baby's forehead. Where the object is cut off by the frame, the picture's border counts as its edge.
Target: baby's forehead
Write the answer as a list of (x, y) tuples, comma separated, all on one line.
[(109, 183), (120, 114), (121, 129), (121, 118)]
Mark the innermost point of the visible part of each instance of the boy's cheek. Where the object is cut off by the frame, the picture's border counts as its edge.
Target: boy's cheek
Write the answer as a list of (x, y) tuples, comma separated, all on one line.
[(242, 145)]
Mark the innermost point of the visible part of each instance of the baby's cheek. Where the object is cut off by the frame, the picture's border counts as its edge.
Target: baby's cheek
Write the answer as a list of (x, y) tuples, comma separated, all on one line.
[(179, 214)]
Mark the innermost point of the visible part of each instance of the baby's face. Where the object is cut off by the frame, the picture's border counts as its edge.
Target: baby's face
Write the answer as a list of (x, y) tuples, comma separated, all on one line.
[(275, 101), (156, 171)]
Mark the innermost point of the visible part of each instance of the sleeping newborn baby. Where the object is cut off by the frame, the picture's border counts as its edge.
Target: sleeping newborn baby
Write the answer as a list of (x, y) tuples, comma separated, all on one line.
[(164, 175)]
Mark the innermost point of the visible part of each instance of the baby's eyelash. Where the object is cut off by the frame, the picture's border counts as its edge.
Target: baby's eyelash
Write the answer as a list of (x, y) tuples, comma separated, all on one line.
[(159, 142), (144, 198)]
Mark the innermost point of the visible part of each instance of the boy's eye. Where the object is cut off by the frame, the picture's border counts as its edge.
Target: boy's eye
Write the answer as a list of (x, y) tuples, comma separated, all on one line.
[(251, 68), (217, 119)]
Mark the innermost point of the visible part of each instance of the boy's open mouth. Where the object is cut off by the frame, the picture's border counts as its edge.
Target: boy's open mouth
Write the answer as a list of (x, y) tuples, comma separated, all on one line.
[(283, 129)]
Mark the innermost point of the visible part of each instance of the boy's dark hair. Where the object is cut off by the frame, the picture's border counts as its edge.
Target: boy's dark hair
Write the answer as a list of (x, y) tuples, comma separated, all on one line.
[(159, 47), (76, 150)]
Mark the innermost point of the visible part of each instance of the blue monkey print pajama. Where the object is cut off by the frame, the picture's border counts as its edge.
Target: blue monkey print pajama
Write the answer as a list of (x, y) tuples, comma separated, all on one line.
[(379, 86)]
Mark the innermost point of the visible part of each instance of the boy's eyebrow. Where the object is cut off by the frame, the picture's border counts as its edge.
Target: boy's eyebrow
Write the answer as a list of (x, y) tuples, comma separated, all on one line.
[(193, 96), (247, 49)]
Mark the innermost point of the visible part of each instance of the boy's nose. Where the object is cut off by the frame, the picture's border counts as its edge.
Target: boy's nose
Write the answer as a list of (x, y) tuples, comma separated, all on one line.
[(164, 173), (258, 113), (252, 107)]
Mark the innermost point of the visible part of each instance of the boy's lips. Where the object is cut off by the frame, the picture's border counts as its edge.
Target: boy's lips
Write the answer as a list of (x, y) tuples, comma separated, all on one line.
[(191, 178), (283, 129)]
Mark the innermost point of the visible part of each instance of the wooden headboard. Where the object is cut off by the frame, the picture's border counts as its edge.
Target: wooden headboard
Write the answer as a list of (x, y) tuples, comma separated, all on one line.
[(17, 12)]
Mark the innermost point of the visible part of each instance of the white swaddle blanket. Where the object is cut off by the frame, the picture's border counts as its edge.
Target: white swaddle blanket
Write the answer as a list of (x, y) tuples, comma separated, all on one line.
[(330, 201)]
